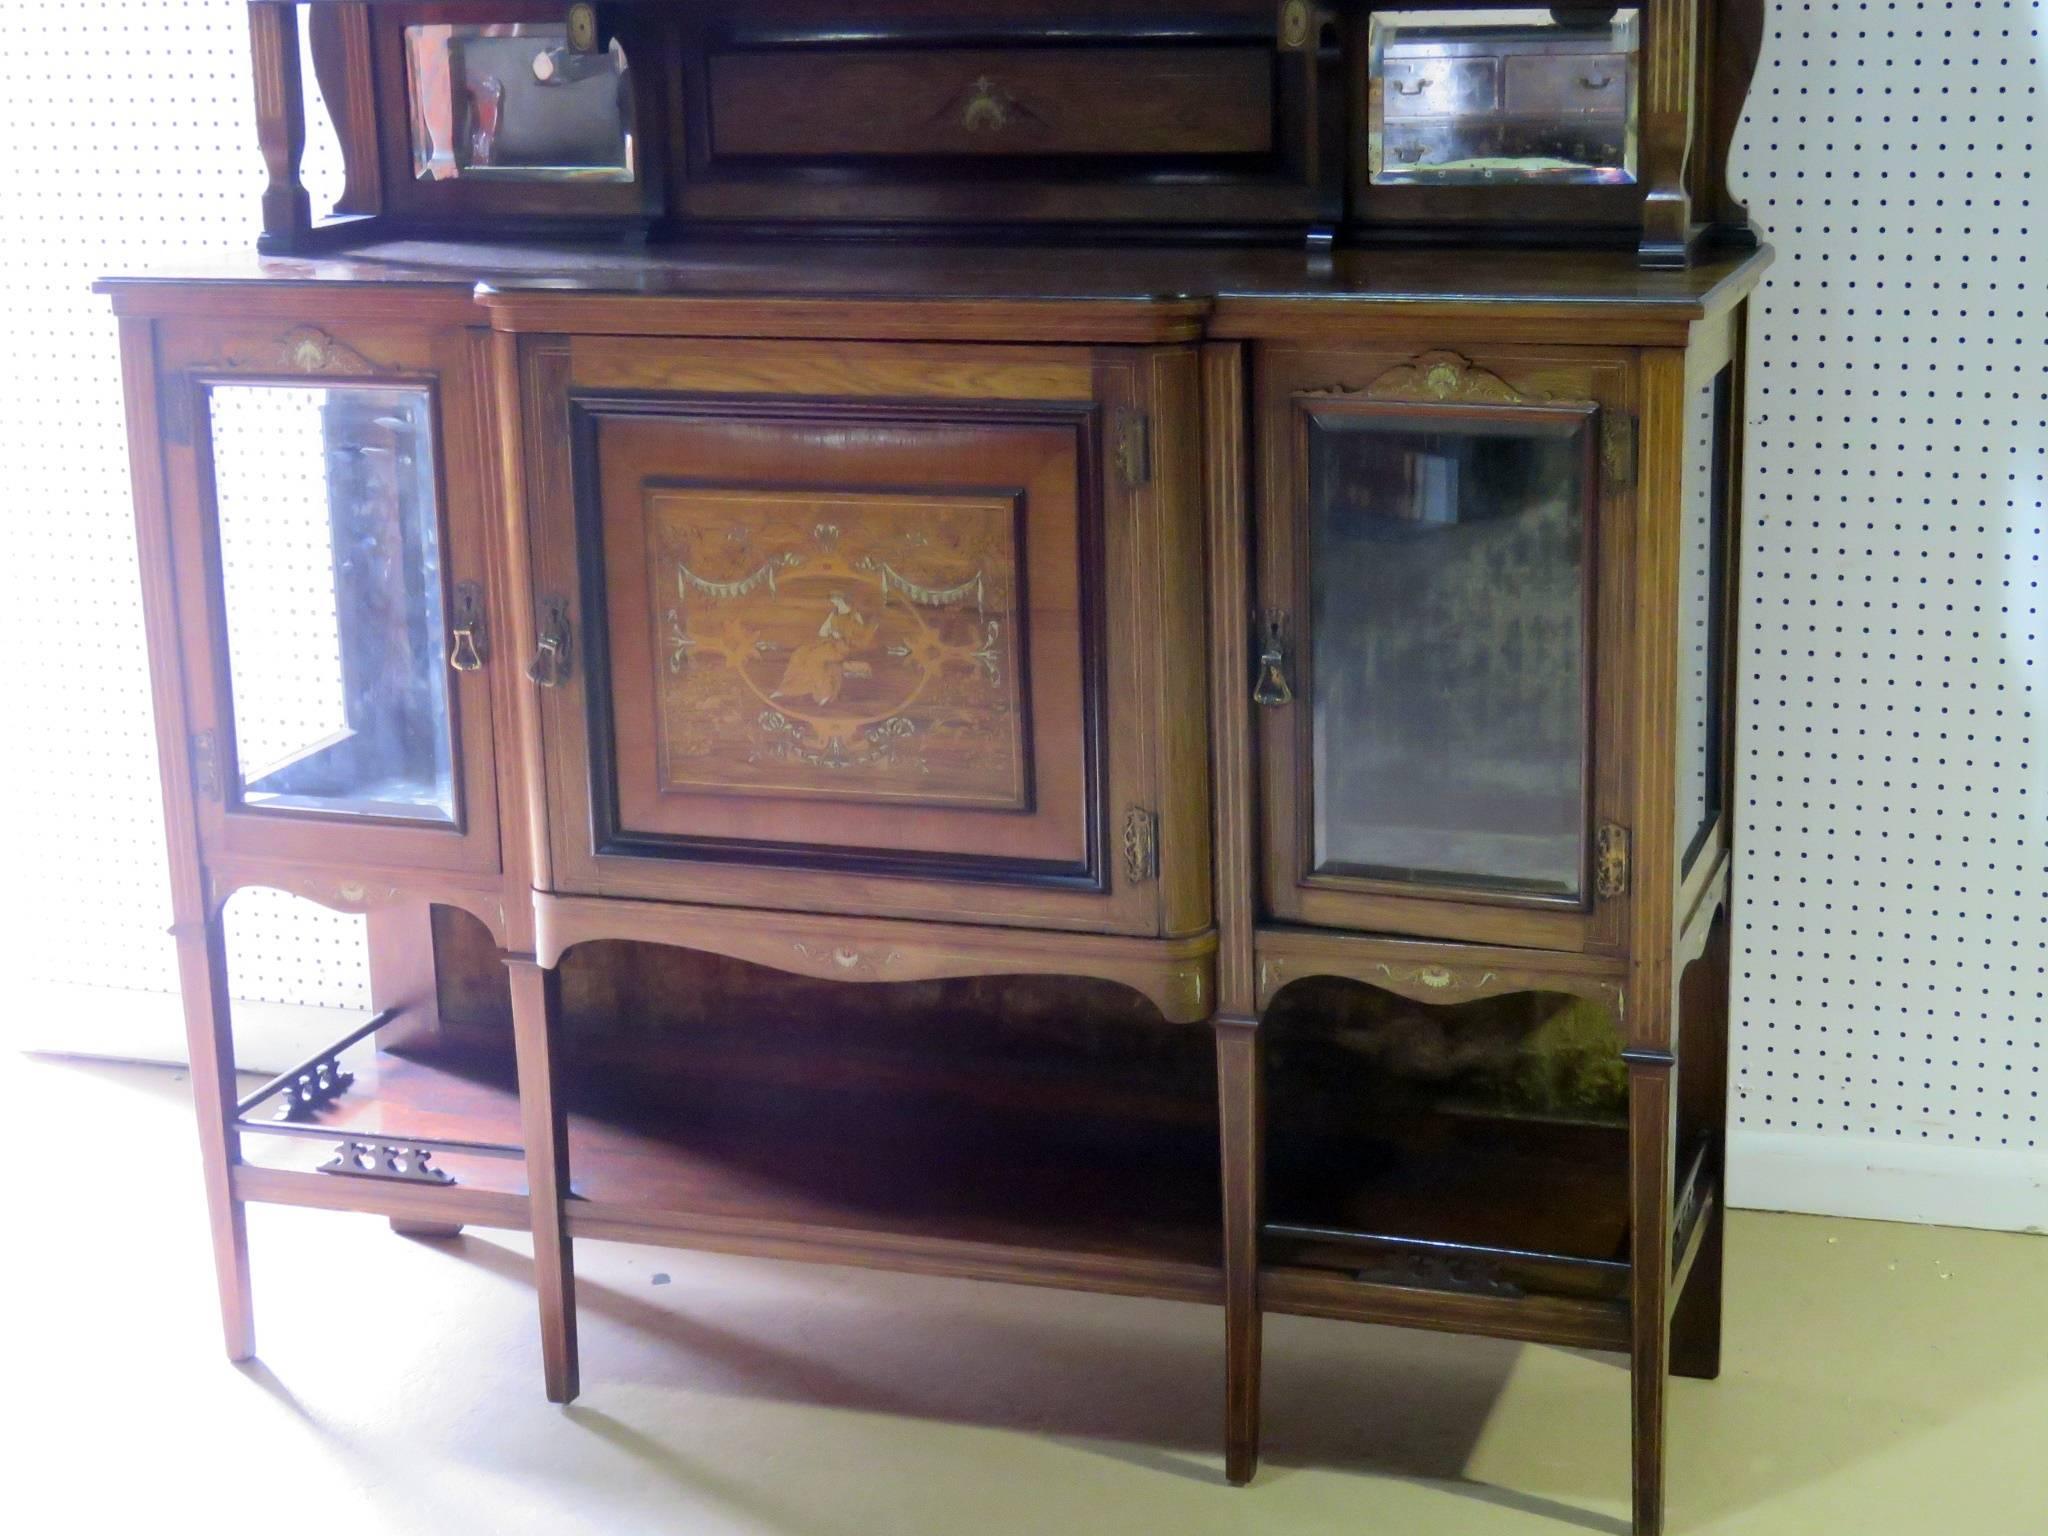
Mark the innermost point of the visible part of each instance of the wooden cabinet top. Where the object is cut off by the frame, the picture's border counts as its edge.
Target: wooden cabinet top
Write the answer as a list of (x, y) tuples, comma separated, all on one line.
[(888, 288)]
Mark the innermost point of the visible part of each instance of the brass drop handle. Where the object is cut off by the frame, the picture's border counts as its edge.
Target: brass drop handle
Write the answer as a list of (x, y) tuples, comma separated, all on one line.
[(468, 644), (550, 668), (1272, 689), (1596, 85), (1411, 88)]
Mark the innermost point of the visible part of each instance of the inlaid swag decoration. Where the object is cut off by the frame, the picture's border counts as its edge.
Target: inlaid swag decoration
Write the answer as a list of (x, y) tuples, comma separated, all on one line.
[(856, 644)]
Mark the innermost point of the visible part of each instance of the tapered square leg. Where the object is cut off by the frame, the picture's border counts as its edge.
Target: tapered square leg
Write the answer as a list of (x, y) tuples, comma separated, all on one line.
[(209, 1040), (536, 1031), (1651, 1173), (1241, 1096)]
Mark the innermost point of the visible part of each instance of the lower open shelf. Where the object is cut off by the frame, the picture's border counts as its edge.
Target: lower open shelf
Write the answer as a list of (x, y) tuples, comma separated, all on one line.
[(1032, 1193)]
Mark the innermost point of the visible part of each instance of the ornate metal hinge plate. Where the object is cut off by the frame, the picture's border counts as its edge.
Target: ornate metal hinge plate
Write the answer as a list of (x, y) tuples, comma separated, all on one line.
[(1618, 448), (1134, 448), (397, 1161), (206, 765), (1610, 860), (1141, 845)]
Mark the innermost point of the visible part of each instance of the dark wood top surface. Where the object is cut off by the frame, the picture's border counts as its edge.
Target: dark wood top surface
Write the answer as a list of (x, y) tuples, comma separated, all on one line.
[(1598, 282)]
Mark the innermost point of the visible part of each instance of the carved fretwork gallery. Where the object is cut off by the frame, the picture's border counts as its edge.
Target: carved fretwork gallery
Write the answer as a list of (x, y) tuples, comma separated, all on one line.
[(1074, 643)]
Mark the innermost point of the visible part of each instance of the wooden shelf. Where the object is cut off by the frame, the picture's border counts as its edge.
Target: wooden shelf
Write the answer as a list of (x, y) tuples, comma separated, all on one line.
[(1027, 1192), (900, 1181), (1534, 1185)]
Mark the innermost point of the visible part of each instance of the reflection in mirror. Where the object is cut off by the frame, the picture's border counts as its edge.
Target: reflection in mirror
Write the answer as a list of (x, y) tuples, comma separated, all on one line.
[(1448, 573), (330, 564), (514, 102), (1470, 96)]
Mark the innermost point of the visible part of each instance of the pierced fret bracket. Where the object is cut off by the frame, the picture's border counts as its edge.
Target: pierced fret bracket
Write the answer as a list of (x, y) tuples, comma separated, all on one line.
[(396, 1161), (313, 1090), (1431, 1272)]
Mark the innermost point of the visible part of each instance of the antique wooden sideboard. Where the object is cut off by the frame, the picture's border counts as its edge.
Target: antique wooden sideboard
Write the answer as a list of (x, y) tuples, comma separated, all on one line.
[(1076, 644)]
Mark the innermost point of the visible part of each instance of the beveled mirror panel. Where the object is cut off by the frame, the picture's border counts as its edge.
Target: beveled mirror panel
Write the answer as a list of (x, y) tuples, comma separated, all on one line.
[(327, 519), (1525, 94), (1448, 576), (514, 101)]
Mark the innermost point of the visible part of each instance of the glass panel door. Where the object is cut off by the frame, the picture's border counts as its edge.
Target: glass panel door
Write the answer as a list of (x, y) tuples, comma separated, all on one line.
[(327, 517), (1448, 576)]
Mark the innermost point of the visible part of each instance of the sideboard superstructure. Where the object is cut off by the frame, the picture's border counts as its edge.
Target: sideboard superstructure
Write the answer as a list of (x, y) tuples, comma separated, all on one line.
[(1195, 770)]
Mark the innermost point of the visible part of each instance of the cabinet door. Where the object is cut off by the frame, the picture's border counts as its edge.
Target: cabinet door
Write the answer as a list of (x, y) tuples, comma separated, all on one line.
[(1443, 551), (839, 632), (332, 582)]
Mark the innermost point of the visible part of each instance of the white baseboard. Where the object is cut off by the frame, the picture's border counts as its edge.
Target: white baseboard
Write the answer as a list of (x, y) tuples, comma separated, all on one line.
[(1882, 1179)]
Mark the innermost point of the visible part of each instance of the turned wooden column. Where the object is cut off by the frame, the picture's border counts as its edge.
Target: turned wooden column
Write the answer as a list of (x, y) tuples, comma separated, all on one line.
[(1666, 130), (280, 124)]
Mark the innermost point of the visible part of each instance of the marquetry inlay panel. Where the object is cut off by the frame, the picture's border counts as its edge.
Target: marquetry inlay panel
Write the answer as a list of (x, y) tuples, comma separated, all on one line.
[(847, 645)]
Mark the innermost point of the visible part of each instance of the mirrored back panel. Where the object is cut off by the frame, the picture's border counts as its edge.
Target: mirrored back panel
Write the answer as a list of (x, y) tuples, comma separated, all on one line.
[(514, 101), (1524, 94)]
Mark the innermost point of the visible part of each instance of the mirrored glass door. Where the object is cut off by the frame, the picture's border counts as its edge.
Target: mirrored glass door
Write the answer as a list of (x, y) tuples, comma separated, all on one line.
[(1447, 567), (1443, 645)]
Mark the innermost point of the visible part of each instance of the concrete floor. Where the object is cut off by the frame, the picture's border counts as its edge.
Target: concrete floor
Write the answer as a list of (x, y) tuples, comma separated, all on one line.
[(1881, 1379)]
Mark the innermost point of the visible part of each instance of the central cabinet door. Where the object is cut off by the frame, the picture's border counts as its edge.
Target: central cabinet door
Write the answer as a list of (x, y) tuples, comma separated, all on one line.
[(846, 631)]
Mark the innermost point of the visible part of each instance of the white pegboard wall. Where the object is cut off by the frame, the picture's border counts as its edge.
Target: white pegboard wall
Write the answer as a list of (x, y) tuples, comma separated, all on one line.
[(139, 152), (1893, 877)]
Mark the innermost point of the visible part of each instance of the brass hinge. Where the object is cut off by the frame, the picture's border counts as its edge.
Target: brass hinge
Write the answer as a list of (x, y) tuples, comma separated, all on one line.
[(206, 765), (1141, 845), (1610, 861), (1134, 447), (1618, 448)]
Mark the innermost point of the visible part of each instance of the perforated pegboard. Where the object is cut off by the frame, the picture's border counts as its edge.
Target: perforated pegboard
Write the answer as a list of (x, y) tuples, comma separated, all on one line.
[(131, 148), (1893, 899), (1893, 883)]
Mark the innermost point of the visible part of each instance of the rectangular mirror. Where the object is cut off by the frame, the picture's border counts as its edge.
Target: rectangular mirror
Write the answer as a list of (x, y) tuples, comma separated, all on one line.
[(514, 102), (327, 516), (1449, 583), (1465, 96)]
